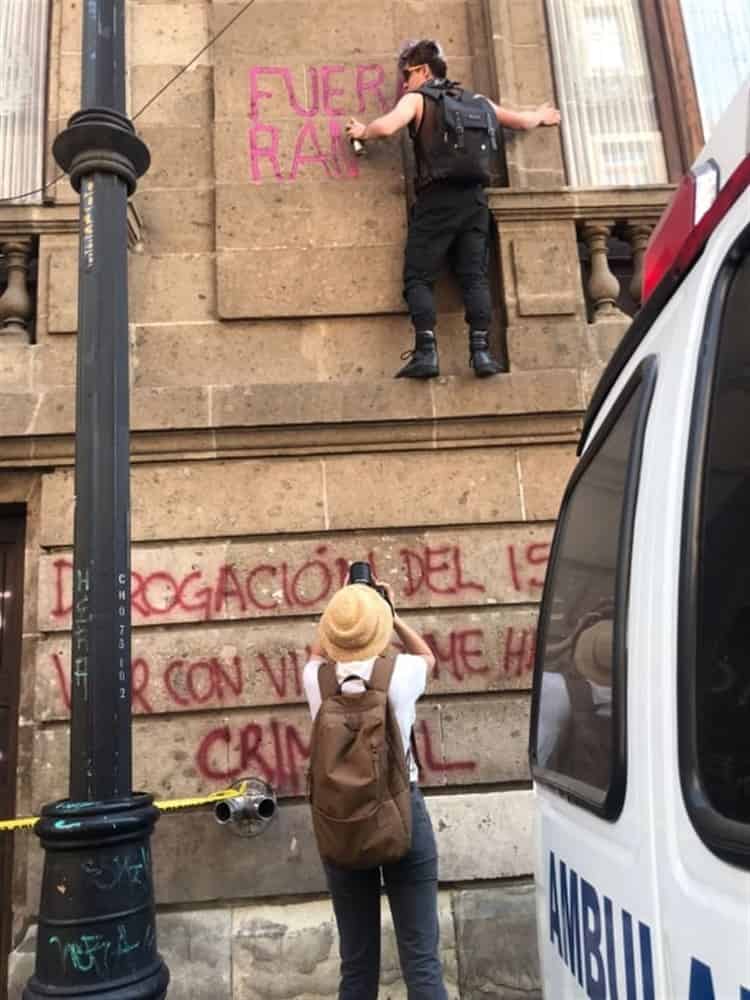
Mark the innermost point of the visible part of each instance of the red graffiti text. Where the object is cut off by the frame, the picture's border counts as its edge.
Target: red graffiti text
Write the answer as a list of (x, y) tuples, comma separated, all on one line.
[(236, 591), (279, 752)]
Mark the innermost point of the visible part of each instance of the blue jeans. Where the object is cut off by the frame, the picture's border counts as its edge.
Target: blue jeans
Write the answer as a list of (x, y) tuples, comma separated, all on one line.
[(411, 885)]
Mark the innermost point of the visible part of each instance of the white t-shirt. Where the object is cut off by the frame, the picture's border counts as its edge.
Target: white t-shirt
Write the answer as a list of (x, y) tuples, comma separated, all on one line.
[(407, 685), (555, 708)]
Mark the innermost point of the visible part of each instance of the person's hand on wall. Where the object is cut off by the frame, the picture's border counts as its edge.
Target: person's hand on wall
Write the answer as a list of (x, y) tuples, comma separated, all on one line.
[(546, 114), (389, 593)]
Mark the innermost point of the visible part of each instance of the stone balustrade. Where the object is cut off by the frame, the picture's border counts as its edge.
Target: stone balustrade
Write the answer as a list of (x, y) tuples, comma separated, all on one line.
[(22, 227), (16, 299), (563, 286), (602, 286), (597, 215)]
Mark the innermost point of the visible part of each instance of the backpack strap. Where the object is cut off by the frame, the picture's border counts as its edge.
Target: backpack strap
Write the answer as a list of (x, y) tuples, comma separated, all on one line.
[(435, 91), (382, 671), (327, 682), (380, 680), (413, 752), (580, 694)]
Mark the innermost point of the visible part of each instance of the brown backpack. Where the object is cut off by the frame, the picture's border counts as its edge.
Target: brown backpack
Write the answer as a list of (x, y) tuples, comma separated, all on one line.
[(358, 777)]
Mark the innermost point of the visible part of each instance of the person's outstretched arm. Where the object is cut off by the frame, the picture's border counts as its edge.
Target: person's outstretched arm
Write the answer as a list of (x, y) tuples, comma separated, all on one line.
[(545, 114), (387, 124), (413, 641)]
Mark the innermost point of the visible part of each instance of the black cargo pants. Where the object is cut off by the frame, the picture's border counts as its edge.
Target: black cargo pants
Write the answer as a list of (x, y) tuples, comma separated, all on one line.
[(449, 223)]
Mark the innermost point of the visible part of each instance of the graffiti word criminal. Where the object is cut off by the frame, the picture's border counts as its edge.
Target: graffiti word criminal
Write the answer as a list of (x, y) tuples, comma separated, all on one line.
[(278, 751)]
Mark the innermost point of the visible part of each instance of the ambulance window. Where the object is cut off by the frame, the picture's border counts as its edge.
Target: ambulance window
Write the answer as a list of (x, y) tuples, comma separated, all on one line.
[(715, 654), (578, 714)]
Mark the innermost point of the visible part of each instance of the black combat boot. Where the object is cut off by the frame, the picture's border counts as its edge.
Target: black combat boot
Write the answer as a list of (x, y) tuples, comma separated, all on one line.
[(480, 358), (423, 360)]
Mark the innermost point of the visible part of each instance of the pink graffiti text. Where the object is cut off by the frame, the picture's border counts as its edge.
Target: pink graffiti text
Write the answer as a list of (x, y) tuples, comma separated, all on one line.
[(331, 91)]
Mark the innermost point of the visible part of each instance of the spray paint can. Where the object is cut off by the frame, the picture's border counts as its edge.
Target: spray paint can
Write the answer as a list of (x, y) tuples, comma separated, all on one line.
[(358, 147)]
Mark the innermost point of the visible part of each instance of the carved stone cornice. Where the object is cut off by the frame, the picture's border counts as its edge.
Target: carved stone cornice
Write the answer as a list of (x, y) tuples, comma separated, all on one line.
[(221, 422), (37, 220), (55, 220), (579, 204)]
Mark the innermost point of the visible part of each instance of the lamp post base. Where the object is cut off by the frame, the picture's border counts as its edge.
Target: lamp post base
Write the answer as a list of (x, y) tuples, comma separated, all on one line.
[(97, 931)]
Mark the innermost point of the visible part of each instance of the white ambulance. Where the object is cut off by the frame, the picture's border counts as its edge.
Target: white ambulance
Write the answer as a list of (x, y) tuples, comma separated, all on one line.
[(640, 732)]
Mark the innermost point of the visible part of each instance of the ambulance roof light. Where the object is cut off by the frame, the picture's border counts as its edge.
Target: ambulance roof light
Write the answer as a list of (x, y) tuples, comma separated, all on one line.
[(696, 209)]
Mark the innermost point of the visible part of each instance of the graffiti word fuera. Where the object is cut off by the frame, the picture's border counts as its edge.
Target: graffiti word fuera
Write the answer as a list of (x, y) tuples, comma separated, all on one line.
[(330, 92), (236, 591), (218, 681), (278, 752)]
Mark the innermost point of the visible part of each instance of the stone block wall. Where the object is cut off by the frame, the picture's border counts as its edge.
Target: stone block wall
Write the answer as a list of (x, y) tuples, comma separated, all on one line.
[(233, 561), (289, 952), (270, 447)]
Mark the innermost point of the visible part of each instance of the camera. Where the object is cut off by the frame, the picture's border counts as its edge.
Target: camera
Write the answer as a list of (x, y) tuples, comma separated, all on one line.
[(361, 572)]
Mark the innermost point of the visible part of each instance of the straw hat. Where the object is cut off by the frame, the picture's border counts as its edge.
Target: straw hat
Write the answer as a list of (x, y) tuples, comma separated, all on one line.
[(593, 653), (356, 624)]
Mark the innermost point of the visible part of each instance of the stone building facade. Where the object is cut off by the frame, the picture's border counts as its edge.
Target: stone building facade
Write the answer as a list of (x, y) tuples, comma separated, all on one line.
[(270, 446)]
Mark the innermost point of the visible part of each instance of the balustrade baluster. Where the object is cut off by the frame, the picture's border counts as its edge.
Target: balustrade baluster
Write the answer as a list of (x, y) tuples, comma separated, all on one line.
[(16, 306), (637, 234), (603, 286)]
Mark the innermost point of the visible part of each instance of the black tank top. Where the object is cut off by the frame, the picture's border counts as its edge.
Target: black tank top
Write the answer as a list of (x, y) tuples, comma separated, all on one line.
[(423, 138)]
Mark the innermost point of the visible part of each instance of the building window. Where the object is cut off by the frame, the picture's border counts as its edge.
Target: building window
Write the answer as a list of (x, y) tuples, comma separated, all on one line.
[(610, 130), (23, 75), (714, 657), (718, 36), (578, 715)]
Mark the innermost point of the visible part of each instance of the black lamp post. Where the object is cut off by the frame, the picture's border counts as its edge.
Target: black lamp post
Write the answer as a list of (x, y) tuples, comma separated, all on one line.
[(96, 917)]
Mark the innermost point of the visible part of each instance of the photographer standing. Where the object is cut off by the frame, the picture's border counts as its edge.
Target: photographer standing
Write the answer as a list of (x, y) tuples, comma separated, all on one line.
[(372, 698), (455, 134)]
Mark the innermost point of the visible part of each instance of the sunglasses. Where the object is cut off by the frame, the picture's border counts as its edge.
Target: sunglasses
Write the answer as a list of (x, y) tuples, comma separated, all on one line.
[(408, 70)]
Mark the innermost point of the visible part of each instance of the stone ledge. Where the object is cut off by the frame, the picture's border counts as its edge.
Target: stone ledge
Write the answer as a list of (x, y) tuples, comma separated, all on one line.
[(59, 219), (543, 205), (480, 836), (291, 442), (525, 392), (180, 423), (219, 407)]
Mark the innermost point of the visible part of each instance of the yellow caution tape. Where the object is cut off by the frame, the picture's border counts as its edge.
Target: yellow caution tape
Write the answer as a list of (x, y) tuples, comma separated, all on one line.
[(24, 823), (171, 805), (167, 805)]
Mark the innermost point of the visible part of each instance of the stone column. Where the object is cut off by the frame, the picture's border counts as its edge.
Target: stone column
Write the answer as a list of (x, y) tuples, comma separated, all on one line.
[(522, 64), (637, 235), (603, 286), (544, 304), (16, 307)]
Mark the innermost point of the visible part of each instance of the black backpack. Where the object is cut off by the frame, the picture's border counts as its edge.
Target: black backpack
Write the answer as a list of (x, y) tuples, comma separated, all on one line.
[(465, 136)]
